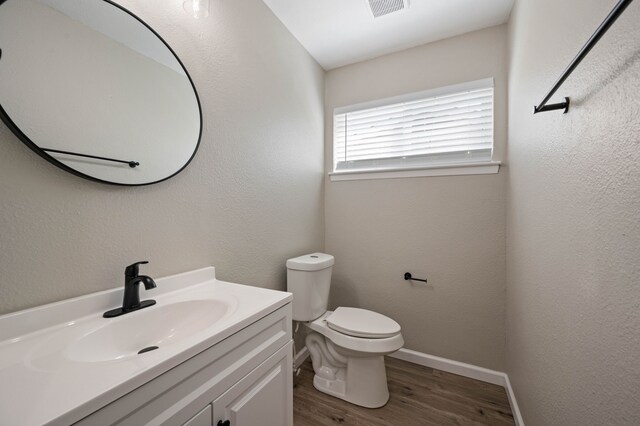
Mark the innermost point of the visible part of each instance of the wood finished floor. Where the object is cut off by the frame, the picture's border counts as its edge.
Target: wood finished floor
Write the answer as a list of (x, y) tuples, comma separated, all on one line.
[(418, 396)]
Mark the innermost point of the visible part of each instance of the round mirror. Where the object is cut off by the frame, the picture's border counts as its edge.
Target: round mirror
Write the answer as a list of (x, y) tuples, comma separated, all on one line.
[(94, 90)]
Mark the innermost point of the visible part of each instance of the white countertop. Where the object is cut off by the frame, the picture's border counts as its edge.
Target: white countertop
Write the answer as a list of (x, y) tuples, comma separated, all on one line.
[(40, 383)]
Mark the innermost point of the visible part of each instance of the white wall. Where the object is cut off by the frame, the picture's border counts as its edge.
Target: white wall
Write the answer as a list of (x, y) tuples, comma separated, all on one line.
[(251, 198), (450, 229), (573, 294)]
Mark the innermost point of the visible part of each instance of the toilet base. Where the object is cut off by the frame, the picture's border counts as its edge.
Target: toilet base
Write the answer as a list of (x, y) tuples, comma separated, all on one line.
[(366, 383), (356, 377)]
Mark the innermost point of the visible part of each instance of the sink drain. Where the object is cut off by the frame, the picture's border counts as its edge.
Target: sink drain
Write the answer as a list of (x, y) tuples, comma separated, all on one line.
[(147, 349)]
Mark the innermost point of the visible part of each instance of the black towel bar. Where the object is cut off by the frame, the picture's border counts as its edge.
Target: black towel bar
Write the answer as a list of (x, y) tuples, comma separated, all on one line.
[(602, 29)]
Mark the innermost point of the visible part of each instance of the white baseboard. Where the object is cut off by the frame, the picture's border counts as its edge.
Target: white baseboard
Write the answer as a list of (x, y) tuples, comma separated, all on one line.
[(450, 366), (300, 357), (467, 370), (517, 417)]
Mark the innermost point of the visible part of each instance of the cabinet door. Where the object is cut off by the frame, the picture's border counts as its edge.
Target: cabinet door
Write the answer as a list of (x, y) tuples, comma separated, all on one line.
[(203, 418), (263, 397)]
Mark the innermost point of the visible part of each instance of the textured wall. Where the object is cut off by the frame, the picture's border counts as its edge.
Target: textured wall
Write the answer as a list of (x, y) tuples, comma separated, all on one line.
[(251, 198), (573, 294), (450, 229)]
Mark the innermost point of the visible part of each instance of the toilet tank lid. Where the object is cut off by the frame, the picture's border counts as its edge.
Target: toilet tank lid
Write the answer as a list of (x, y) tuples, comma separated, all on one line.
[(310, 262)]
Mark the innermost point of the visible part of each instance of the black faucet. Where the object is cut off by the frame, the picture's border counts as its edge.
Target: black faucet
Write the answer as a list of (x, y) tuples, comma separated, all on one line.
[(131, 301)]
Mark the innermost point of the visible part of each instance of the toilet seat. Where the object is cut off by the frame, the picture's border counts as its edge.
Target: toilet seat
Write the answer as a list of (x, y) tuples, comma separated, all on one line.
[(362, 323), (365, 345)]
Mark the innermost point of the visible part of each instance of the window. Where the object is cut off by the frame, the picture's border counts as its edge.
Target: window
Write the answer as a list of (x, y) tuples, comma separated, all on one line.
[(447, 127)]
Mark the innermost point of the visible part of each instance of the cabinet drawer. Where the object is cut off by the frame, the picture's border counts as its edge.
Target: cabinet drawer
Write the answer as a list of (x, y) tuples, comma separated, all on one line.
[(174, 397)]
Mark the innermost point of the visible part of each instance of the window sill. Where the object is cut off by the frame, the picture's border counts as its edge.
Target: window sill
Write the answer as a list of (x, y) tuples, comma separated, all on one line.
[(484, 168)]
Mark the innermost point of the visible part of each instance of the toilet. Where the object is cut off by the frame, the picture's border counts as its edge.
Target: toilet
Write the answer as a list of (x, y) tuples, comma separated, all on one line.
[(348, 345)]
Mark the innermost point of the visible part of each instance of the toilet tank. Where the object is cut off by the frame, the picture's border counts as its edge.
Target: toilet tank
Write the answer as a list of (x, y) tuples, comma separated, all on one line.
[(309, 279)]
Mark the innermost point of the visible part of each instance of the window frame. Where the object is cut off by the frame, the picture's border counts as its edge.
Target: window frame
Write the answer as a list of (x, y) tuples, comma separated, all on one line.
[(437, 169)]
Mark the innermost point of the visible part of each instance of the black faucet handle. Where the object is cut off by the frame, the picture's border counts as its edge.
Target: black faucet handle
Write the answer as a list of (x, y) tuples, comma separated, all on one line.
[(132, 270)]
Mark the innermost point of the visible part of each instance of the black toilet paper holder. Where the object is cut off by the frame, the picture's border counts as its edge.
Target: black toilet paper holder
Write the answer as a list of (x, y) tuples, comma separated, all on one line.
[(409, 277)]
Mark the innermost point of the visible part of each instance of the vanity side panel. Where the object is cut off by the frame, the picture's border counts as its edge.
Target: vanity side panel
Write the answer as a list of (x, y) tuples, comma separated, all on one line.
[(177, 395)]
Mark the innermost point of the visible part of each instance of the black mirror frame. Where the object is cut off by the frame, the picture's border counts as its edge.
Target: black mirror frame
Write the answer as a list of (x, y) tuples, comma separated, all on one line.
[(28, 142)]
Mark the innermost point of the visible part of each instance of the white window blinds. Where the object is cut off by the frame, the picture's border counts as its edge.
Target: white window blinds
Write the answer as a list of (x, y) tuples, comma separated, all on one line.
[(450, 125)]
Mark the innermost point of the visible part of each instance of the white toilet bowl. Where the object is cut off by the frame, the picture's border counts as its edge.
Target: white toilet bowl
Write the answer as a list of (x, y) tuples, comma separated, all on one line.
[(347, 346), (347, 349)]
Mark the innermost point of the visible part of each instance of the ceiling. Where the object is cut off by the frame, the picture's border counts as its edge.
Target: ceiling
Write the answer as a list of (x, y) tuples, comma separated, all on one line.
[(342, 32)]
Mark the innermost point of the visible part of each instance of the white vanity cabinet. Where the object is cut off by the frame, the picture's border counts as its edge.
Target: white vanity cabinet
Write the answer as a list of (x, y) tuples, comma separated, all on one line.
[(245, 379), (263, 397)]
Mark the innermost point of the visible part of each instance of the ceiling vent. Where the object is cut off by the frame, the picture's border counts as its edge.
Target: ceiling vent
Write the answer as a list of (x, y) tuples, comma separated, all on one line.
[(380, 8)]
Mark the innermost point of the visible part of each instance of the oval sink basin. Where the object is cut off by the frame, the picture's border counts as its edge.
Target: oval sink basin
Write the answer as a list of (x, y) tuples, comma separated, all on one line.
[(160, 326)]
